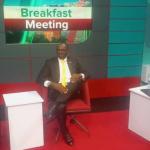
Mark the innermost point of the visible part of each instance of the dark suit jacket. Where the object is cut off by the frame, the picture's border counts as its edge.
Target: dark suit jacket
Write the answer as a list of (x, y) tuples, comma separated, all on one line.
[(50, 70)]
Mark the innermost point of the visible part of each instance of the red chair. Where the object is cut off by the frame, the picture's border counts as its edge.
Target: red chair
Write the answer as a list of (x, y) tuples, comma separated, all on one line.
[(79, 104)]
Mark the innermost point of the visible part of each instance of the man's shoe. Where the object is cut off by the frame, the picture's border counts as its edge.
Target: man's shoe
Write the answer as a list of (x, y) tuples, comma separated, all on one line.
[(68, 138)]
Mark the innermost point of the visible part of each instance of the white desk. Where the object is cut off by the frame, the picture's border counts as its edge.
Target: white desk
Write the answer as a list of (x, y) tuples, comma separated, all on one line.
[(139, 112), (25, 119)]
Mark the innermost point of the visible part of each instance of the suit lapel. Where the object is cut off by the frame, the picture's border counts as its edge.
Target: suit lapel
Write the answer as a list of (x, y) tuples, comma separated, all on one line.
[(56, 67)]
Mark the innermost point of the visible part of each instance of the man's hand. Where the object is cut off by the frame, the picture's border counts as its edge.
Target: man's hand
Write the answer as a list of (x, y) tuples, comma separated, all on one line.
[(59, 87), (75, 77)]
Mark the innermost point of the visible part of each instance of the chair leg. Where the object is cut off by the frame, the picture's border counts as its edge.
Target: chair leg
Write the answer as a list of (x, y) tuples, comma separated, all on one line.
[(75, 121)]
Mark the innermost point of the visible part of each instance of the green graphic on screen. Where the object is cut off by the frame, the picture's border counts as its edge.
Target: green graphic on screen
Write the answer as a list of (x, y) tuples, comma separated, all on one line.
[(47, 21)]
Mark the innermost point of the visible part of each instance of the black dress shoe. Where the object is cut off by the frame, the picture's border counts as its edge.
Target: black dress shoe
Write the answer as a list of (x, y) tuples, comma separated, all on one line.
[(68, 138)]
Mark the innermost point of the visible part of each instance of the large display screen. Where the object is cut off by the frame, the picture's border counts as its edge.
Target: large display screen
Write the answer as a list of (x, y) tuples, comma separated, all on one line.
[(47, 21)]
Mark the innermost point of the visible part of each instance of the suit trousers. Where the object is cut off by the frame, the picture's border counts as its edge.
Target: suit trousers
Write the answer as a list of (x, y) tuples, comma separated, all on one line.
[(59, 101)]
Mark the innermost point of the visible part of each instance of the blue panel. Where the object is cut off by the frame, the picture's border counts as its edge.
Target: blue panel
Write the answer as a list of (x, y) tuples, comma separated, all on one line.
[(127, 25), (12, 3), (128, 2), (126, 37), (121, 49), (129, 60), (146, 54), (128, 12), (39, 2), (124, 72)]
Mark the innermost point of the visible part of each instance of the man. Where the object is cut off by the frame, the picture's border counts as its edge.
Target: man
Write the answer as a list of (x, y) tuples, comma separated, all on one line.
[(63, 76)]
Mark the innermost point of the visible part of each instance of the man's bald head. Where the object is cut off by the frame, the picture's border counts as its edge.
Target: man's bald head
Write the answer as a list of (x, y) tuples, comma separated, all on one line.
[(62, 50)]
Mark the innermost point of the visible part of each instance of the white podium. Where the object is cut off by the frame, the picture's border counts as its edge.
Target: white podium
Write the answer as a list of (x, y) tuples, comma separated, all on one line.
[(139, 112), (25, 119)]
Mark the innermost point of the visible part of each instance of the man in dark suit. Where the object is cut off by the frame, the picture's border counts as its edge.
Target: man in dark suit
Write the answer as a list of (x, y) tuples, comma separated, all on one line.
[(63, 76)]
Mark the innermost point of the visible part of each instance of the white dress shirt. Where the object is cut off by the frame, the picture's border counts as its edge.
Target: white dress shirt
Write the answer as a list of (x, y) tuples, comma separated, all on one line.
[(68, 74)]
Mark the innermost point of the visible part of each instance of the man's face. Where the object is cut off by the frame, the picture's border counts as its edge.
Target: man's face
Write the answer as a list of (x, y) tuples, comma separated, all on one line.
[(62, 51)]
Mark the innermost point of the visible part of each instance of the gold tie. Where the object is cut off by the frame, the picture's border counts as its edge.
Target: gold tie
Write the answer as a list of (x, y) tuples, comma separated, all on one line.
[(64, 78)]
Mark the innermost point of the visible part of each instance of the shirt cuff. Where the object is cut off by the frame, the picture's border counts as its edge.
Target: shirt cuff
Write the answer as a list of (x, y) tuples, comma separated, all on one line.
[(47, 83), (82, 75)]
